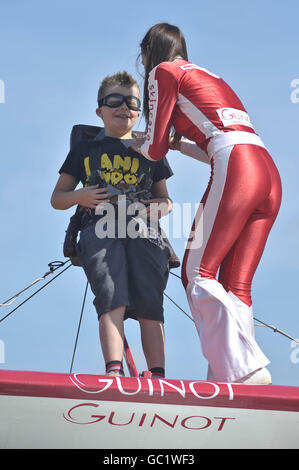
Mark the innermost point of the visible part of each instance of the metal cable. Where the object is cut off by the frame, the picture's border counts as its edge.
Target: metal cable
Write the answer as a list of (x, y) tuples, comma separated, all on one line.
[(274, 328), (53, 266), (78, 329), (36, 292)]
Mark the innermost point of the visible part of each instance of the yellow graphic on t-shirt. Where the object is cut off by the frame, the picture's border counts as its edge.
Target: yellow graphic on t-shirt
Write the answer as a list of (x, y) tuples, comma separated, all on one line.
[(87, 167), (116, 169)]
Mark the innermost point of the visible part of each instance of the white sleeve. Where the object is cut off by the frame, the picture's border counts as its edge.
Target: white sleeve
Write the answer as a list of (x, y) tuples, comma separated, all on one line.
[(192, 150), (163, 93)]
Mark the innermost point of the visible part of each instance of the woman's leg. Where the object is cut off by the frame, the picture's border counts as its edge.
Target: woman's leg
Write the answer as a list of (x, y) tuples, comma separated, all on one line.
[(243, 181), (239, 266)]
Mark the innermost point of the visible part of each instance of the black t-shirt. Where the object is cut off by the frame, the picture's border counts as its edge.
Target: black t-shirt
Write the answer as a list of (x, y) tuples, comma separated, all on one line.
[(118, 164), (122, 169)]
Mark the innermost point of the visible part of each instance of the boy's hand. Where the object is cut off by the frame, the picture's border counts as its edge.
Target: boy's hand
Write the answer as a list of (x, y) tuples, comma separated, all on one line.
[(92, 196)]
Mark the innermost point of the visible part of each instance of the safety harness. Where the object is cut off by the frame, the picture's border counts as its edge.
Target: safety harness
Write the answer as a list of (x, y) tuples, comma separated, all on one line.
[(93, 135)]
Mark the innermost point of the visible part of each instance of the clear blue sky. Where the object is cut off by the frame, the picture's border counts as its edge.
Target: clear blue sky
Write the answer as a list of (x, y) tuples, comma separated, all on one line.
[(53, 56)]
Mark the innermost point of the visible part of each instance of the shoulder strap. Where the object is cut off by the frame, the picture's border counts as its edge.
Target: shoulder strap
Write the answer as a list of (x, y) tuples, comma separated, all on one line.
[(84, 132), (92, 135)]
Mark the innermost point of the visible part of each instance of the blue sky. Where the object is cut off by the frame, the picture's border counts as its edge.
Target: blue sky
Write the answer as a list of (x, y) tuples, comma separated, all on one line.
[(53, 57)]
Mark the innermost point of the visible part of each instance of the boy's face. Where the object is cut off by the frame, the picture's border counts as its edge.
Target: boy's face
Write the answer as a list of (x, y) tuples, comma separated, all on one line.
[(119, 121)]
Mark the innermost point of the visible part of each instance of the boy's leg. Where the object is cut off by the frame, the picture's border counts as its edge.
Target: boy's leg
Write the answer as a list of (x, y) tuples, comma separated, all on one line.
[(111, 329), (148, 274), (153, 343), (104, 263)]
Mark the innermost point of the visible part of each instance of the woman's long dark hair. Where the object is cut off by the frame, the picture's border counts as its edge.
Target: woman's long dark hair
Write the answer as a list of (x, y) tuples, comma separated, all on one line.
[(163, 42)]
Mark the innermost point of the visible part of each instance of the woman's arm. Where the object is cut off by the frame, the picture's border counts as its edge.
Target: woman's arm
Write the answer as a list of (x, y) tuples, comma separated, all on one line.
[(187, 147), (163, 89), (192, 150), (65, 196), (161, 204)]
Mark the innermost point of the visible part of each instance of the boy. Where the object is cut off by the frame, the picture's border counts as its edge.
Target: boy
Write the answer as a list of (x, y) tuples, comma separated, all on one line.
[(127, 275)]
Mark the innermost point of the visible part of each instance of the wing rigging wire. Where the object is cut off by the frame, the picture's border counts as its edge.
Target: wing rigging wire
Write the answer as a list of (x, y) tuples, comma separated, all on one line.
[(273, 328), (54, 265), (78, 329)]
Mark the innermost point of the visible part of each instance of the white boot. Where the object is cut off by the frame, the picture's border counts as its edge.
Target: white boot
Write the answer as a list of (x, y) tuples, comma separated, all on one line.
[(245, 314), (258, 377), (223, 328)]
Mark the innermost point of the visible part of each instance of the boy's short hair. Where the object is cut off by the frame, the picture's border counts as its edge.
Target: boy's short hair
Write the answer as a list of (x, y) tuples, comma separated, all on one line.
[(118, 79)]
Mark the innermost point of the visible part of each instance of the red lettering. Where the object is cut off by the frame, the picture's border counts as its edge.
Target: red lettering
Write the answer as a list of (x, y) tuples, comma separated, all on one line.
[(207, 424), (222, 422), (164, 421), (142, 419), (77, 415), (227, 114), (76, 420), (110, 420)]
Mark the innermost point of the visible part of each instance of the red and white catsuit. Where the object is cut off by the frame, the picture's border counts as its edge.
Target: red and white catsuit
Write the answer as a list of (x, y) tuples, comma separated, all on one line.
[(240, 205)]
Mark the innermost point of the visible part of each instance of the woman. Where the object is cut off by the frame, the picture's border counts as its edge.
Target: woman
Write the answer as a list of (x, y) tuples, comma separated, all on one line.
[(239, 206)]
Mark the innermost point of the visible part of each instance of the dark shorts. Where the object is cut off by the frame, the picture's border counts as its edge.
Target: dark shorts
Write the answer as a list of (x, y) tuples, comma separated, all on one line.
[(130, 272)]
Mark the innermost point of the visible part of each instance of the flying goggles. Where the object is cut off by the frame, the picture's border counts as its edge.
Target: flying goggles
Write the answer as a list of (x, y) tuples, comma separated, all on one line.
[(114, 100)]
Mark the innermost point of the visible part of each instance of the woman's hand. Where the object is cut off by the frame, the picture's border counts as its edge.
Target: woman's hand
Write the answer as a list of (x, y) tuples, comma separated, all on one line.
[(174, 142), (137, 143), (160, 205), (156, 208), (92, 196)]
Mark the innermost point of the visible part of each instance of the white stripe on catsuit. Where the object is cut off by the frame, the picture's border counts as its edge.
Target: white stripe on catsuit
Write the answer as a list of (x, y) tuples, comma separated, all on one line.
[(224, 323)]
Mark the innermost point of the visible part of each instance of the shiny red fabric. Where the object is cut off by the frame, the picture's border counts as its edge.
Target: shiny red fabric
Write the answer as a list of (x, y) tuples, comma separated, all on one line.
[(248, 208)]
